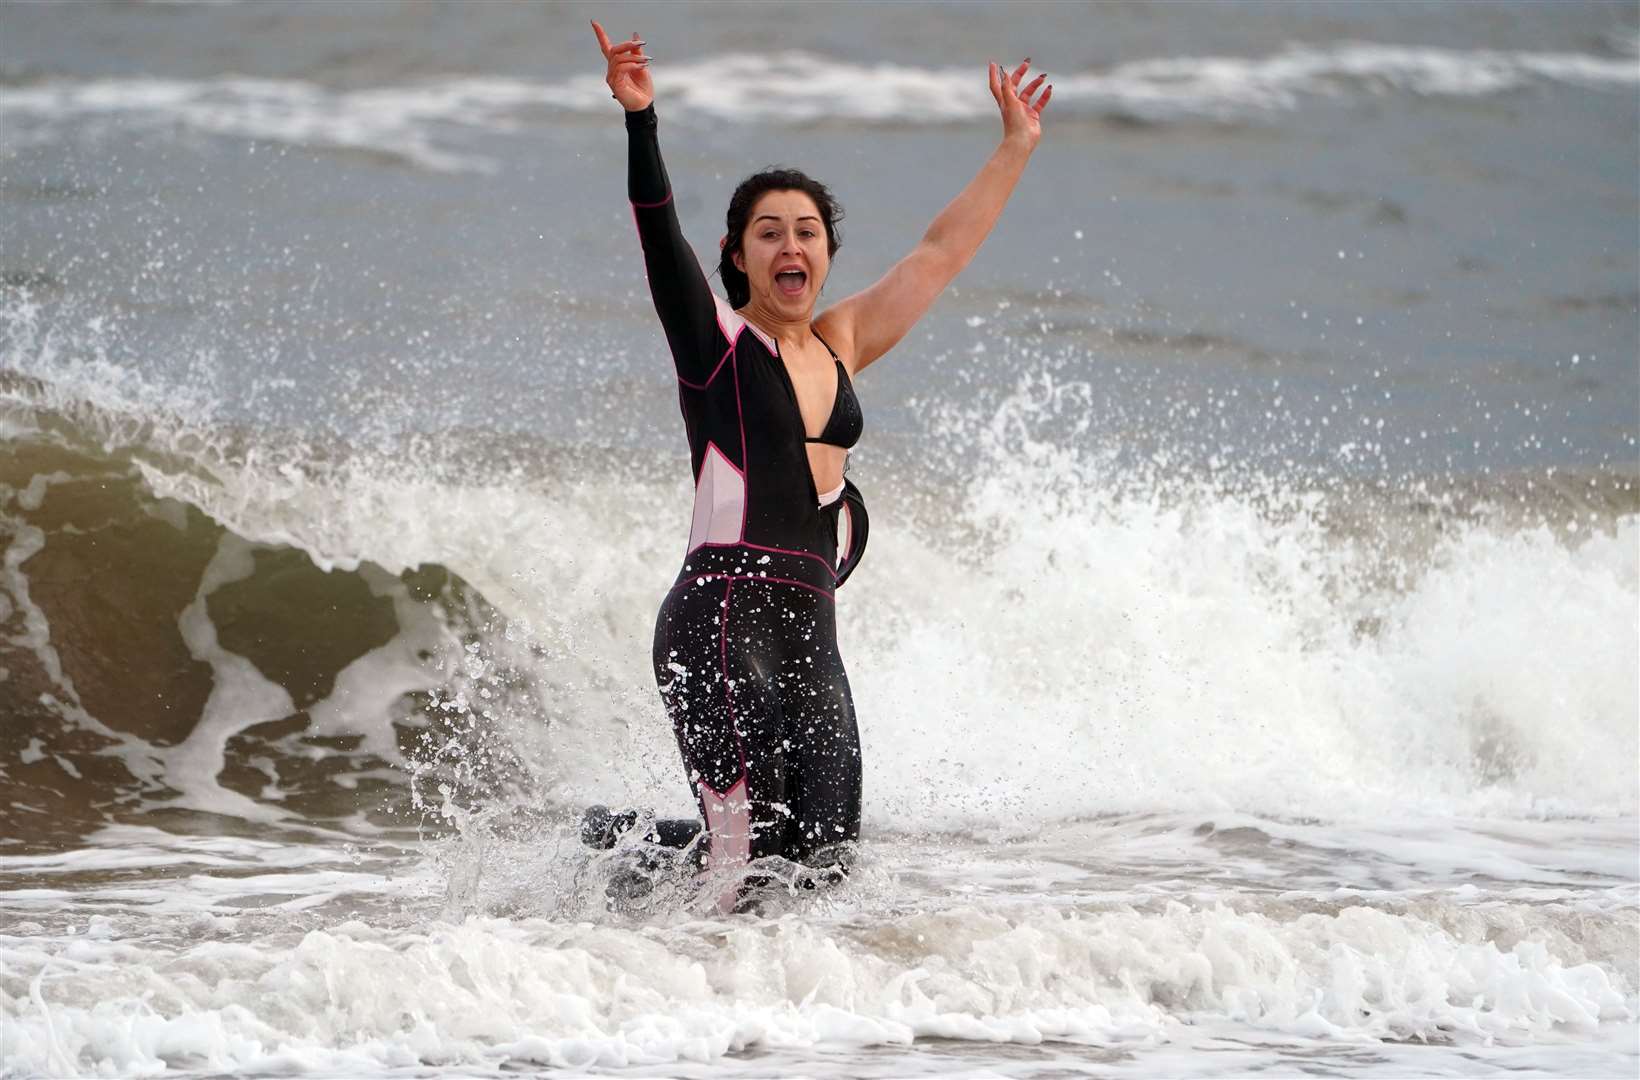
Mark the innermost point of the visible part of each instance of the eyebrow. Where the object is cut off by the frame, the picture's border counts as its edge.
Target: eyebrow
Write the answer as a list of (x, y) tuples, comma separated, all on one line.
[(772, 217)]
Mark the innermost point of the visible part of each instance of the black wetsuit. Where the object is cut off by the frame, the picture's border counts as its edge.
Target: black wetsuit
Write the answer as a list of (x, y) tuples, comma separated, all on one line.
[(745, 646)]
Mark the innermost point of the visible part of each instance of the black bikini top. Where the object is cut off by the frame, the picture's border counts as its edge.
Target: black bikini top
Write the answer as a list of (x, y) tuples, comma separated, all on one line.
[(846, 422)]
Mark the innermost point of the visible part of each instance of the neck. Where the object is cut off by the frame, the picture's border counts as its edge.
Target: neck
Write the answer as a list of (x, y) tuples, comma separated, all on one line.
[(784, 329)]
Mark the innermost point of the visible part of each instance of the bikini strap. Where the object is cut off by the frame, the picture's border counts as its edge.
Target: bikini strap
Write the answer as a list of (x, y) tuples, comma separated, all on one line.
[(824, 342)]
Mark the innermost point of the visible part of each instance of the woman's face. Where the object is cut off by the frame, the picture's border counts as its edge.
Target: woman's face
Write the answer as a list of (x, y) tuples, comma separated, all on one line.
[(783, 253)]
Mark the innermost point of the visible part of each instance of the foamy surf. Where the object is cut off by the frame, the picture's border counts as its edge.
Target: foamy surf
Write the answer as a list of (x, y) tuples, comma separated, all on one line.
[(420, 124), (1246, 652), (131, 991), (1202, 759), (1104, 640)]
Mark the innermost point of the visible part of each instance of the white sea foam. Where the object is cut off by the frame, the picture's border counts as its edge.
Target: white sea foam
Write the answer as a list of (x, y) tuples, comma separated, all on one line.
[(1166, 776), (1118, 651), (799, 86), (397, 121), (1105, 651), (421, 123), (1061, 641), (360, 997)]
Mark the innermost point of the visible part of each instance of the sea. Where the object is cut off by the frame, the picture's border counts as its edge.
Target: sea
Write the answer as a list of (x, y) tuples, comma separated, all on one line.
[(1247, 652)]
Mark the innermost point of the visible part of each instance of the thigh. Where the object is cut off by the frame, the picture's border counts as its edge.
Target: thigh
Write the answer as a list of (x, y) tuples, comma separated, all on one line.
[(716, 680), (823, 755), (689, 674)]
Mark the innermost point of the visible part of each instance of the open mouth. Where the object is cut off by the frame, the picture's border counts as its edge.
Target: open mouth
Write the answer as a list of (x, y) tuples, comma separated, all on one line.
[(791, 282)]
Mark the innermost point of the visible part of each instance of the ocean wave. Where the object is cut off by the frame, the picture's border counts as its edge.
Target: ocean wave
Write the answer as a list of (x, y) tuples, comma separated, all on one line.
[(398, 123), (361, 998), (421, 124), (246, 625)]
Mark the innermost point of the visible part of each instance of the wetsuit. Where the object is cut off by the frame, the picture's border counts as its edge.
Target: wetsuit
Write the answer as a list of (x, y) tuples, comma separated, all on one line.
[(745, 648)]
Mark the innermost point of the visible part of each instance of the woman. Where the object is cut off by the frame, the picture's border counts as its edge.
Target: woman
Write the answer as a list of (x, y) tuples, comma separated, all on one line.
[(745, 646)]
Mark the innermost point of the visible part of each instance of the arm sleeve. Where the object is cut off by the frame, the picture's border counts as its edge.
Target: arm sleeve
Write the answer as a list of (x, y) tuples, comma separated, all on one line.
[(685, 304)]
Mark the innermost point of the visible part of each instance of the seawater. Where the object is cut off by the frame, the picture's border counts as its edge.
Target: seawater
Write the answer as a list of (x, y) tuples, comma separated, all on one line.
[(1247, 652)]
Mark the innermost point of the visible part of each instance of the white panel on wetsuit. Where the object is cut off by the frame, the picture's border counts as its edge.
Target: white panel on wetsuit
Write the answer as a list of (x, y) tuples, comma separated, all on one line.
[(720, 501), (731, 323)]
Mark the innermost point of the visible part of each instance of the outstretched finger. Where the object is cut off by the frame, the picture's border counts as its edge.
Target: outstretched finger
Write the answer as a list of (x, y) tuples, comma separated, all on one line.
[(993, 75), (1019, 72), (1042, 102), (1010, 89), (1031, 87), (603, 38)]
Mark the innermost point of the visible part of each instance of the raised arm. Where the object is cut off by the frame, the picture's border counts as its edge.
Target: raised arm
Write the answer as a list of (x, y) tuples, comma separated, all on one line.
[(682, 298), (873, 320)]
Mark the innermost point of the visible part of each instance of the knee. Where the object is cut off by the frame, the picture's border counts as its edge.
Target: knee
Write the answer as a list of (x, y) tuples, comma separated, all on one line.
[(826, 865)]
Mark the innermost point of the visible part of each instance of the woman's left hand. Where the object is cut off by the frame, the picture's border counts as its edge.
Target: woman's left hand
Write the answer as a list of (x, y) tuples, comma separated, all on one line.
[(1021, 117)]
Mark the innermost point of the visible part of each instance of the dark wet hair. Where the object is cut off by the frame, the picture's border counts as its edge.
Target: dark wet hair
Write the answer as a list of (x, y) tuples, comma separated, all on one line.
[(753, 188)]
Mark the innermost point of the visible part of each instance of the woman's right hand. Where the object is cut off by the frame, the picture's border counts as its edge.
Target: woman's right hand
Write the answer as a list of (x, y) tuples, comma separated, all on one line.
[(628, 76)]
